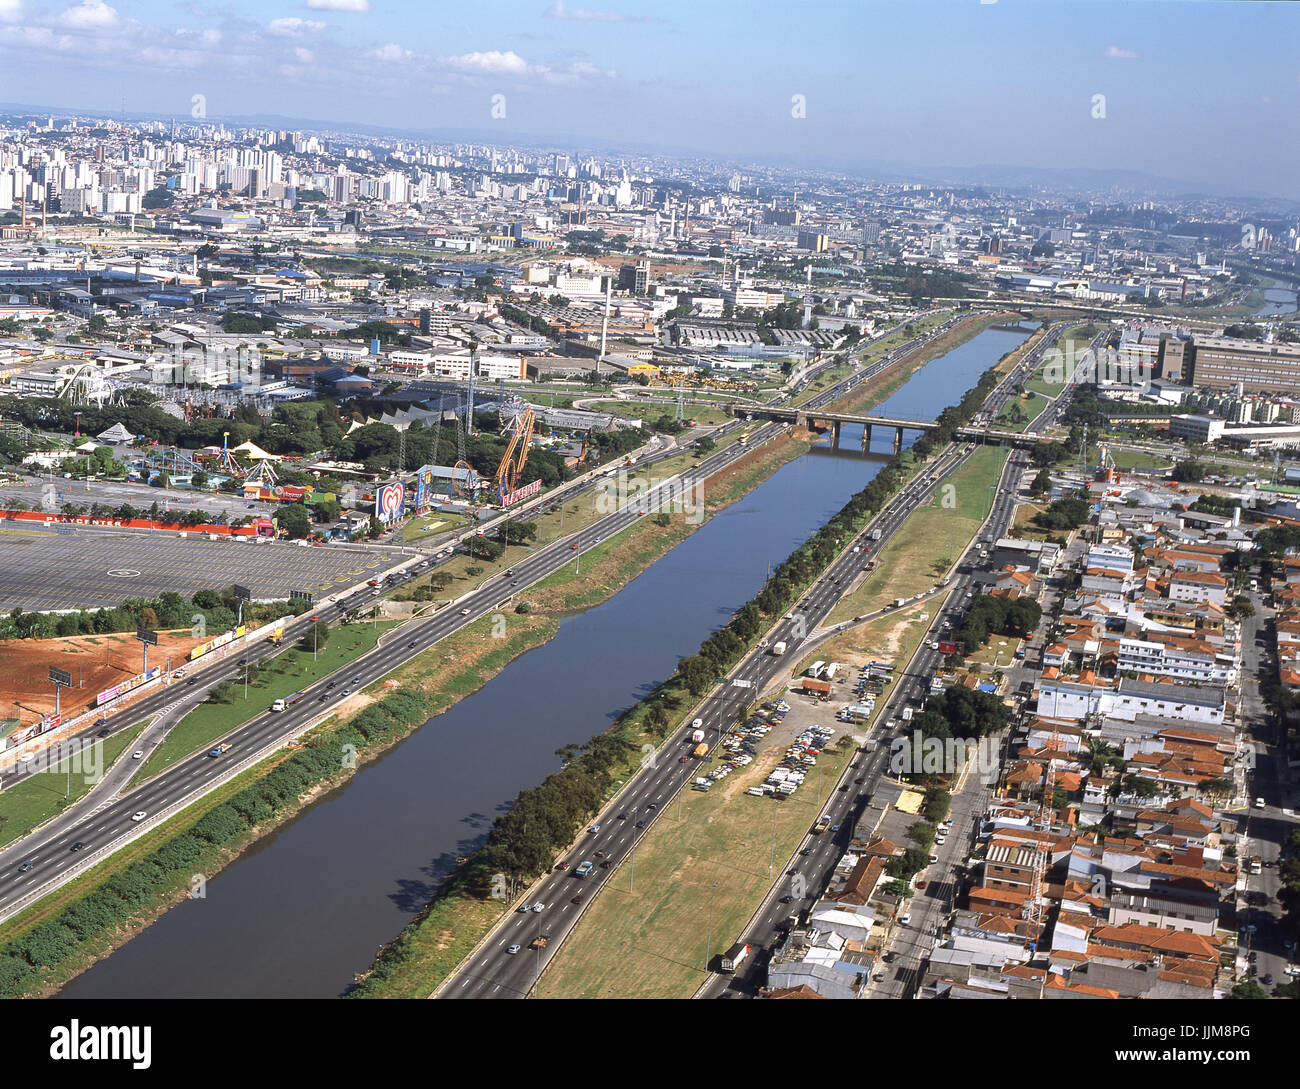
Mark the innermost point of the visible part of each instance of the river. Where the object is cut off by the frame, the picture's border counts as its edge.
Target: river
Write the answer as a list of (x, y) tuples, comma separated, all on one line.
[(1279, 299), (310, 905)]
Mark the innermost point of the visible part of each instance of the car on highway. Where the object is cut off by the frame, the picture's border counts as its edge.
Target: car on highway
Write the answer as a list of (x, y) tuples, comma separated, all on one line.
[(101, 721), (514, 949), (578, 899), (905, 918), (623, 816), (640, 824), (410, 645), (594, 828), (464, 612), (79, 845), (26, 866), (104, 732), (138, 754), (139, 815), (331, 684), (514, 582), (1259, 803), (539, 907), (574, 545), (606, 864)]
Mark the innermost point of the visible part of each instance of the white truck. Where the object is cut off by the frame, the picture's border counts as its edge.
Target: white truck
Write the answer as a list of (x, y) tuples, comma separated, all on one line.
[(778, 648), (697, 736), (875, 534)]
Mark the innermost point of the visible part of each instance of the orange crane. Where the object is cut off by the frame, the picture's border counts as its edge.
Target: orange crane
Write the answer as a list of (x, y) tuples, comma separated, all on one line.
[(515, 458)]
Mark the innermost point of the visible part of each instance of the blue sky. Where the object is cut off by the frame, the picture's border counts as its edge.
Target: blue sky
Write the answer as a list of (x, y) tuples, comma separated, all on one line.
[(1206, 92)]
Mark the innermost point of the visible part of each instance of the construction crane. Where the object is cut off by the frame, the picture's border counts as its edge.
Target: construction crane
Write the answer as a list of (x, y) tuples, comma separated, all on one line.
[(512, 464)]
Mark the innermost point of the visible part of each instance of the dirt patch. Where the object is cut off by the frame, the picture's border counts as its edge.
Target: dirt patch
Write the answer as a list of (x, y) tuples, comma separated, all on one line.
[(96, 662)]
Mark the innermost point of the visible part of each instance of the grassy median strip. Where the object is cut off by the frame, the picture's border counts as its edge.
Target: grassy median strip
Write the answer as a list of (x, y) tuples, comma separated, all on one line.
[(38, 798), (287, 672), (648, 938), (931, 539)]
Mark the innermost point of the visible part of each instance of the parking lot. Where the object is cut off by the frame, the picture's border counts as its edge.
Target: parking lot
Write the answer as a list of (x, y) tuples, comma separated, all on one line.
[(100, 568)]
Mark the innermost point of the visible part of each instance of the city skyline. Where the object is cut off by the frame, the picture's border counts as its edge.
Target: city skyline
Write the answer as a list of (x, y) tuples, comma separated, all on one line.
[(1206, 100)]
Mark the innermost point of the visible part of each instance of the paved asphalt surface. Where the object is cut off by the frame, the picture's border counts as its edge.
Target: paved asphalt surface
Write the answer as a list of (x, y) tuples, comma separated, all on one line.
[(493, 972), (90, 567), (102, 822)]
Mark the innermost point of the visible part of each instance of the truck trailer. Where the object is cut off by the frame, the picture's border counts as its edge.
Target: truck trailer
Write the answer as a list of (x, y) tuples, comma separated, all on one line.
[(732, 958)]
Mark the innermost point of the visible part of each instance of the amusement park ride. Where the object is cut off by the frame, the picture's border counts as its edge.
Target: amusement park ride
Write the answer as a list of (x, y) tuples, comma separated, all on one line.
[(510, 472)]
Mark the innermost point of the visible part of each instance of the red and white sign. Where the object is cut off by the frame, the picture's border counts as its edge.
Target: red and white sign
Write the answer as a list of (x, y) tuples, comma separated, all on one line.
[(521, 493)]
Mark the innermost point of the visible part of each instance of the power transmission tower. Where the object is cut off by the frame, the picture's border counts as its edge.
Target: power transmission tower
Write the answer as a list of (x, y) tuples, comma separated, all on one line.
[(437, 430), (460, 438), (681, 403), (401, 450)]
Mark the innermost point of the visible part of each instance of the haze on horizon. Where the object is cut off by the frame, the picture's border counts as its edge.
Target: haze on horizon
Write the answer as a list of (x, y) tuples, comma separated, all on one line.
[(1207, 93)]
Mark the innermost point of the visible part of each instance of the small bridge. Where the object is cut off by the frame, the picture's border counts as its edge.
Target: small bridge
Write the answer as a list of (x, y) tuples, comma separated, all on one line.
[(820, 421)]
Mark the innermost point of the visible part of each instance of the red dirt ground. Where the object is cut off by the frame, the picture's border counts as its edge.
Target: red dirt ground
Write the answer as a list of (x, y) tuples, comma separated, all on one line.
[(25, 689)]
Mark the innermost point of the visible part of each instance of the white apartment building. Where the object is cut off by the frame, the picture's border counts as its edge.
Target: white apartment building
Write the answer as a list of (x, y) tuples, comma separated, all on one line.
[(1073, 701), (1198, 666)]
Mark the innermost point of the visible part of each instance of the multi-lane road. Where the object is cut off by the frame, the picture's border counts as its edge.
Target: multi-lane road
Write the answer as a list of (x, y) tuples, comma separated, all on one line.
[(494, 971), (102, 821)]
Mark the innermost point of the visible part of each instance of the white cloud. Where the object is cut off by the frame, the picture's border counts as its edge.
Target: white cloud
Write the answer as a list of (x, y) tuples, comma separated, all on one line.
[(491, 63), (293, 25), (9, 8), (1114, 52), (558, 11), (339, 5), (89, 14), (390, 52), (306, 56)]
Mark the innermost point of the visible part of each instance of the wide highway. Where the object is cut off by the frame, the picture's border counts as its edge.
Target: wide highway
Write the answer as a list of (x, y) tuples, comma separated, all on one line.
[(493, 970), (102, 822)]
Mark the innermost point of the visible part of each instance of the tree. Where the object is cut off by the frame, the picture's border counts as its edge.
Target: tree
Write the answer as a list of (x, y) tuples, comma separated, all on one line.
[(1188, 471), (1042, 483), (160, 197), (293, 521), (1248, 988)]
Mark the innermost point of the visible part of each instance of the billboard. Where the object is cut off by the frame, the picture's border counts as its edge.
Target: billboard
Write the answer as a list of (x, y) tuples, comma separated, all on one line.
[(389, 501), (521, 493), (423, 489), (218, 642), (126, 686), (950, 648)]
